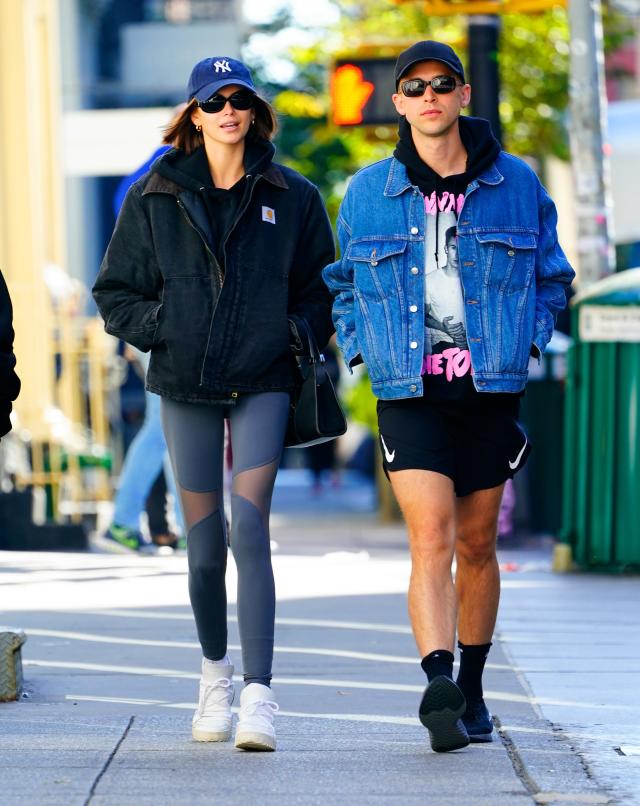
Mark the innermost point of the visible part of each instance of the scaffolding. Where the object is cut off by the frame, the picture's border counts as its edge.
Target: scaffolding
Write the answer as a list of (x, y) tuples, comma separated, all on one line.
[(64, 360)]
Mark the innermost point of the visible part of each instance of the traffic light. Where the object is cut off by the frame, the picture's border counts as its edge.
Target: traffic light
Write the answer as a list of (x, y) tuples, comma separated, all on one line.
[(361, 91)]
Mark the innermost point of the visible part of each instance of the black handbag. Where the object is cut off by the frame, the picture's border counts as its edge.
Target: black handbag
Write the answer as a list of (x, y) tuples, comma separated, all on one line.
[(315, 415)]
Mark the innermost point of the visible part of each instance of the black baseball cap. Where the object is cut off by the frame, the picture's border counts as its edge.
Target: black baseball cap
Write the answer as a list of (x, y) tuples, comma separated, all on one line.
[(428, 51)]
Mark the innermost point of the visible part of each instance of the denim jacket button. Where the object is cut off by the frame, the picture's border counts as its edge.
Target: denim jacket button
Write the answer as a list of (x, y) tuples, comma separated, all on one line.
[(374, 262), (413, 345), (414, 270), (511, 253), (414, 230), (413, 388), (413, 308)]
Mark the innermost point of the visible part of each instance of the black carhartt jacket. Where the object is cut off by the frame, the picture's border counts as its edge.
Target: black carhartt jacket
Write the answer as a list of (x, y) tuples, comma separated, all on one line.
[(9, 381), (216, 328)]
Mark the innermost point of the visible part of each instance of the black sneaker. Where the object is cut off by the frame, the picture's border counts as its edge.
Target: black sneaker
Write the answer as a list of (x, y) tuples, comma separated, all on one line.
[(477, 720), (440, 710)]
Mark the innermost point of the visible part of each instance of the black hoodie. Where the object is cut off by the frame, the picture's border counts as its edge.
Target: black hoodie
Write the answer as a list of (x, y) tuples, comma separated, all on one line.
[(192, 172), (447, 364)]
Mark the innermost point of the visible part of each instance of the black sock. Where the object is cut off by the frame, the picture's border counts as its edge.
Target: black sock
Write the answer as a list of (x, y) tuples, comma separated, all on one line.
[(472, 660), (438, 662)]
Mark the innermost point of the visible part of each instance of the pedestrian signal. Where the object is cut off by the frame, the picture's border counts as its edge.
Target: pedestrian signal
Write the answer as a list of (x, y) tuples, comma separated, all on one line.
[(361, 91)]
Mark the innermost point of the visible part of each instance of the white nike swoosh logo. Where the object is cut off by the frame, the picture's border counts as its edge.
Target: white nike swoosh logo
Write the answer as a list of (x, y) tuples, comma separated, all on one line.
[(388, 456), (515, 464)]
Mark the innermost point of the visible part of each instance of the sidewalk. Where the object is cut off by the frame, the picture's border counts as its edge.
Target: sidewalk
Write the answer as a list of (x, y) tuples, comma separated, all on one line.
[(111, 666)]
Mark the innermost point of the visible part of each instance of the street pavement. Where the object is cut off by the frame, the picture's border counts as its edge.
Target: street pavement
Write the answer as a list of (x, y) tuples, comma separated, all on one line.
[(111, 668)]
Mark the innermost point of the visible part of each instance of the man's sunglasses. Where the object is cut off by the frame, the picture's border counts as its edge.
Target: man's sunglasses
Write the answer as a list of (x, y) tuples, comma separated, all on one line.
[(441, 85), (243, 99)]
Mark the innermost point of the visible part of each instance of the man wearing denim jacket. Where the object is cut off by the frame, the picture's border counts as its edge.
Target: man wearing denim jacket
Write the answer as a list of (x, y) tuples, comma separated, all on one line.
[(450, 277)]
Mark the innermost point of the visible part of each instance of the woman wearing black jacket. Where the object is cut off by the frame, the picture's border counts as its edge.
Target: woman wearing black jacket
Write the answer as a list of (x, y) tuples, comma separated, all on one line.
[(215, 249)]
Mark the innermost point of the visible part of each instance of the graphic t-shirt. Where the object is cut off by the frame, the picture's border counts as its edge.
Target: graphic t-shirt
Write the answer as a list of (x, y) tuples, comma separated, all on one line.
[(446, 369)]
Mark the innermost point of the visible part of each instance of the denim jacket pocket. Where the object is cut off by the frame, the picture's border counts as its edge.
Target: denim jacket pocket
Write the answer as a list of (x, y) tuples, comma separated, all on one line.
[(508, 259), (377, 266)]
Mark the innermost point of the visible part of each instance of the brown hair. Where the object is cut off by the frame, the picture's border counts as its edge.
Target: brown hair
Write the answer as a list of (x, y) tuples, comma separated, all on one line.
[(182, 134)]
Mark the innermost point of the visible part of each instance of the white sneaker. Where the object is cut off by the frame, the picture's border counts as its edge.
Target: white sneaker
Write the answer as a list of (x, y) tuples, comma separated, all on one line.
[(212, 719), (255, 730)]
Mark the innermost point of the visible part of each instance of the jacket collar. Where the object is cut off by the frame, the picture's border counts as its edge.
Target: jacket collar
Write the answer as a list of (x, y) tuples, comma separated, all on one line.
[(274, 175), (160, 184), (156, 183), (398, 182), (492, 175)]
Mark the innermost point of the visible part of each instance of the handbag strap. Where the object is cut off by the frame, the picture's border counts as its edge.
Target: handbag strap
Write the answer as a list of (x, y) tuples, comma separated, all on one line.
[(314, 353)]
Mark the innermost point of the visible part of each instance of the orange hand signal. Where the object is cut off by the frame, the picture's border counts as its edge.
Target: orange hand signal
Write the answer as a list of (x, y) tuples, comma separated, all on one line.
[(350, 93)]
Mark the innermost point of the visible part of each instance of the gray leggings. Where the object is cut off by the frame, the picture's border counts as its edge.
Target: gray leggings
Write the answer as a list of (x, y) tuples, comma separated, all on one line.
[(195, 437)]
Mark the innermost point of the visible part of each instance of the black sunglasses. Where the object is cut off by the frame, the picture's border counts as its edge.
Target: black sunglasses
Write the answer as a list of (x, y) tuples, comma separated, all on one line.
[(242, 99), (415, 87)]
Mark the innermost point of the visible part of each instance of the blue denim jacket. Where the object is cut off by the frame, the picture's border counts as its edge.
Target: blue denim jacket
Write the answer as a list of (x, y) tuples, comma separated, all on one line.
[(514, 275)]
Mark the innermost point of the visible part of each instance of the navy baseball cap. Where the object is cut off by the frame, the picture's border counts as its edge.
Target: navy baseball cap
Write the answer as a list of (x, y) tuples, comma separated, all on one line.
[(428, 51), (210, 75)]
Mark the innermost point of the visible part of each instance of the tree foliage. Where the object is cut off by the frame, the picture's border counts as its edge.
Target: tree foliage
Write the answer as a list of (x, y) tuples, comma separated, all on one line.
[(534, 66)]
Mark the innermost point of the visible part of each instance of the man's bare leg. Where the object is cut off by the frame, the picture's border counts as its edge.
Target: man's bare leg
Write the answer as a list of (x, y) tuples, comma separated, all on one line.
[(477, 572), (478, 589), (427, 501)]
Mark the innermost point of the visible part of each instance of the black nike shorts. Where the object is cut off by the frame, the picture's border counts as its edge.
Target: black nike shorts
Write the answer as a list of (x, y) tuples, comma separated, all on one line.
[(475, 444)]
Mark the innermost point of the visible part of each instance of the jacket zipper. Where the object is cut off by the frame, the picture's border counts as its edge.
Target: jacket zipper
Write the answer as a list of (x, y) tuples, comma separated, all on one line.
[(215, 261), (224, 245), (241, 213), (218, 274), (204, 241)]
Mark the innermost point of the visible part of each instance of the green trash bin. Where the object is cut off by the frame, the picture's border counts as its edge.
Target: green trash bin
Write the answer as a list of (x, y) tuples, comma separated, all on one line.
[(601, 473), (542, 414)]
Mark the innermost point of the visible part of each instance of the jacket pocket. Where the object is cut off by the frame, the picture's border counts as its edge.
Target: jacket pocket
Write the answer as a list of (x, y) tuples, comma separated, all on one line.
[(508, 259), (183, 325), (377, 266)]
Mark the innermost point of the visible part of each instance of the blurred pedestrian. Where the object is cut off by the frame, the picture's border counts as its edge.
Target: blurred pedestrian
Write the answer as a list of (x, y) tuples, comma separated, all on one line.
[(146, 462), (448, 385), (215, 248), (9, 381)]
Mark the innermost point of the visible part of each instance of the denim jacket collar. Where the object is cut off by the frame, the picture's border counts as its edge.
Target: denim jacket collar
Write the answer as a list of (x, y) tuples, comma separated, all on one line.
[(398, 181), (491, 176)]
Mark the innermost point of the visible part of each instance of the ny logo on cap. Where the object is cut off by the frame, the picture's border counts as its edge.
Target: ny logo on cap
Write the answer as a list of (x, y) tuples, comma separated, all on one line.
[(222, 66)]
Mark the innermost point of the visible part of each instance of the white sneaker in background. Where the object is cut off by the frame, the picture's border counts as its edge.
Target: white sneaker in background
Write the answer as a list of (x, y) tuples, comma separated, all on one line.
[(212, 719), (255, 729)]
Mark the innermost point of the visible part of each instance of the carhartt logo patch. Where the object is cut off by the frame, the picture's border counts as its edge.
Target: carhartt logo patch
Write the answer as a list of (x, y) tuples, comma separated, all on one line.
[(222, 66), (269, 215)]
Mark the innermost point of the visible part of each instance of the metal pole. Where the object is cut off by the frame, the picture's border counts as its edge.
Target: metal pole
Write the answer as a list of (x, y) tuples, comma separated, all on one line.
[(588, 127), (484, 33)]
